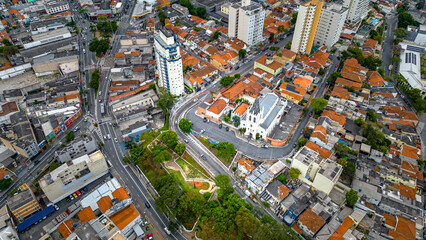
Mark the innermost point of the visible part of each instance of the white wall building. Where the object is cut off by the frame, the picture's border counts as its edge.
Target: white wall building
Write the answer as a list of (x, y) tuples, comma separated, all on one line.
[(169, 62), (358, 9), (246, 22), (316, 171), (53, 7), (330, 25), (263, 115), (306, 26), (410, 66)]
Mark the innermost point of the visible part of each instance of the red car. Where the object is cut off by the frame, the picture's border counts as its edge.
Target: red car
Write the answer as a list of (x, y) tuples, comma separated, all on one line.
[(78, 193), (149, 236)]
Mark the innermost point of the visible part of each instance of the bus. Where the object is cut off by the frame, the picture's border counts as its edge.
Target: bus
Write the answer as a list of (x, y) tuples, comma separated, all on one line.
[(102, 108)]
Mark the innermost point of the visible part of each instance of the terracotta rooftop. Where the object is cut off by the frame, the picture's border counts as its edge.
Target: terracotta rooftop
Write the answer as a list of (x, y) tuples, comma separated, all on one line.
[(86, 214), (104, 204), (122, 218), (8, 107), (119, 55), (336, 117), (311, 220), (302, 82), (66, 228), (120, 194), (241, 109), (323, 152), (405, 230), (409, 151), (343, 228), (247, 164), (218, 106), (284, 191)]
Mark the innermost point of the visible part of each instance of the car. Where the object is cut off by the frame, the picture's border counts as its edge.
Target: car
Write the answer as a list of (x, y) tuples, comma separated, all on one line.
[(227, 129), (203, 157), (68, 199), (74, 195), (85, 119), (78, 193), (149, 236), (147, 204), (220, 126), (294, 145), (84, 50), (109, 137), (100, 93), (265, 146), (85, 189), (100, 100), (167, 231), (71, 197), (185, 140), (202, 131), (105, 137), (146, 222), (56, 207), (110, 123), (76, 129), (143, 224), (116, 140), (204, 119)]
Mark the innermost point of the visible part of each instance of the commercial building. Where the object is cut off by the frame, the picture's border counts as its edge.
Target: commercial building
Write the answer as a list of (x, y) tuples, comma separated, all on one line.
[(72, 176), (330, 25), (48, 37), (169, 62), (246, 22), (20, 137), (315, 170), (410, 66), (263, 115), (53, 7), (306, 26), (48, 25), (23, 203), (357, 9), (76, 148), (146, 99)]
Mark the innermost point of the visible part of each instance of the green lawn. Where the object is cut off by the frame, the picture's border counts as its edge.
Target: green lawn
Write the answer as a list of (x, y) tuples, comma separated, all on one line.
[(189, 169), (194, 163), (186, 186), (214, 151)]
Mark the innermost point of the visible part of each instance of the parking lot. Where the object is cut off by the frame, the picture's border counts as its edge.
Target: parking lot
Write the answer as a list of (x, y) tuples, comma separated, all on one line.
[(282, 130)]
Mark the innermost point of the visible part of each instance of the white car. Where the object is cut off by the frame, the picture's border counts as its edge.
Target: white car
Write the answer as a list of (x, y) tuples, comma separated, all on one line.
[(109, 137), (116, 140), (202, 131), (56, 207)]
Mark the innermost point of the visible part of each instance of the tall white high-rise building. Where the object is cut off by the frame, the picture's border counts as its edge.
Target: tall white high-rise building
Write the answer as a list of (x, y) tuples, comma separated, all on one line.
[(357, 9), (246, 22), (330, 25), (169, 62), (306, 26)]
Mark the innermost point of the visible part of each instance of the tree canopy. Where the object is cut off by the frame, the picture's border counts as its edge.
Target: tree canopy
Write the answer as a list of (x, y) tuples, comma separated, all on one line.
[(5, 183), (405, 19), (222, 181), (351, 198), (180, 148), (185, 125), (165, 100), (400, 32), (318, 104), (99, 46), (94, 81), (226, 81), (225, 150), (293, 173), (170, 139), (242, 53)]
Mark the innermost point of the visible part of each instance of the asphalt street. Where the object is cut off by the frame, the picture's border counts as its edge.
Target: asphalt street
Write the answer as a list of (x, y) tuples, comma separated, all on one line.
[(391, 22)]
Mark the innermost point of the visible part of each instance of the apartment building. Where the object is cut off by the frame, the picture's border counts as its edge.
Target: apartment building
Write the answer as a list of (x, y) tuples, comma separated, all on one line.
[(169, 62), (316, 171), (330, 25), (306, 26), (23, 203), (357, 9), (76, 148), (246, 22), (72, 176)]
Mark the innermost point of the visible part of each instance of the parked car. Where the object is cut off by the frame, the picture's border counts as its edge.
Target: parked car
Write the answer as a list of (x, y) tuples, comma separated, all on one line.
[(78, 193), (265, 146), (74, 195), (227, 129), (220, 126), (56, 207), (185, 140), (147, 204), (202, 131)]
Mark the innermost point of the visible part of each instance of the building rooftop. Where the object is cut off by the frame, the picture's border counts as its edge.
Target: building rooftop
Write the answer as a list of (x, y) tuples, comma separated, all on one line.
[(20, 199), (311, 220), (122, 218)]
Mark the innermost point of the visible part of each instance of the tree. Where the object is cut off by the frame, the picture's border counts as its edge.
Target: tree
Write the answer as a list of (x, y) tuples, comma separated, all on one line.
[(180, 148), (281, 28), (185, 125), (400, 32), (271, 37), (186, 68), (294, 18), (345, 54), (282, 178), (5, 183), (381, 71), (301, 142), (237, 76), (170, 139), (226, 81), (246, 222), (293, 173), (216, 34), (69, 137), (94, 81), (359, 122), (236, 120), (342, 162), (376, 7), (321, 71), (372, 116), (242, 53), (187, 3), (288, 45), (162, 17), (351, 198), (201, 12), (307, 132), (160, 154), (169, 192), (6, 42), (405, 19), (99, 46), (318, 104), (225, 150), (222, 181), (165, 100)]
